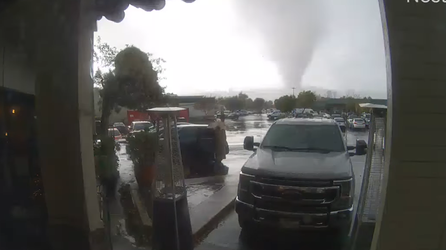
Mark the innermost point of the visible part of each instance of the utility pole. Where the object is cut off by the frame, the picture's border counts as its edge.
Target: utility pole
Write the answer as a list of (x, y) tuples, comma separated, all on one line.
[(293, 90)]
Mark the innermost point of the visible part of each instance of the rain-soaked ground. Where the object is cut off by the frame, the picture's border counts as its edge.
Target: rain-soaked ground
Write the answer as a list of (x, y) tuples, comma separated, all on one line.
[(199, 189), (227, 236), (252, 125)]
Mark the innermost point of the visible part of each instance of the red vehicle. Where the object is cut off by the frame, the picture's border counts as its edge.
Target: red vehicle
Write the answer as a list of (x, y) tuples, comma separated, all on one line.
[(137, 116), (144, 116)]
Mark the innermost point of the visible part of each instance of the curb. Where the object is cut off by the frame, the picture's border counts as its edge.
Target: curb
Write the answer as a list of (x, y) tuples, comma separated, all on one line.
[(213, 222)]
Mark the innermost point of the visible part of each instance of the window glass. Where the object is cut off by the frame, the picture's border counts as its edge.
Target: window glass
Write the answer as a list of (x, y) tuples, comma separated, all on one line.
[(187, 134), (142, 126), (326, 137)]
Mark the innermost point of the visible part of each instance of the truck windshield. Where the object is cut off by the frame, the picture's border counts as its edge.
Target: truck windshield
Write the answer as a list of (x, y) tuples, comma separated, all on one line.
[(142, 126), (113, 132), (304, 137)]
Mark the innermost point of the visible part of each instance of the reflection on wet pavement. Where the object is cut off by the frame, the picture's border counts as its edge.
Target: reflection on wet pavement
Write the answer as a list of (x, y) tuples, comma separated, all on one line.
[(197, 193), (229, 236)]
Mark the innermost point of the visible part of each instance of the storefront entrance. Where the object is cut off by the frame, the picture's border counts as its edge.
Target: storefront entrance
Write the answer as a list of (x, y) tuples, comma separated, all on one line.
[(23, 211)]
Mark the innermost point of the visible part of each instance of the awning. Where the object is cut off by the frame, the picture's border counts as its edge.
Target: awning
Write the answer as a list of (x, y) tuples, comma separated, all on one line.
[(372, 106)]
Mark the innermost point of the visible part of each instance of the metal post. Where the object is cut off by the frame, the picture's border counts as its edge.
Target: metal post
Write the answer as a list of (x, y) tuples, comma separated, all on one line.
[(365, 179), (372, 179)]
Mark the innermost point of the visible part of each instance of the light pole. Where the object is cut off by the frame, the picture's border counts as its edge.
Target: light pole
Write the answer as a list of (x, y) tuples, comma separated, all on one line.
[(293, 90)]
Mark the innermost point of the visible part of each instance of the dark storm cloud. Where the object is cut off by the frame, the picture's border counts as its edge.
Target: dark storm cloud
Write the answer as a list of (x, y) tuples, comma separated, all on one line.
[(290, 30)]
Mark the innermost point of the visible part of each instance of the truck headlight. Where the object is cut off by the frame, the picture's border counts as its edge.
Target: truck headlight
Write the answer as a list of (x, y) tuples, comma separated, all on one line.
[(244, 192), (346, 194)]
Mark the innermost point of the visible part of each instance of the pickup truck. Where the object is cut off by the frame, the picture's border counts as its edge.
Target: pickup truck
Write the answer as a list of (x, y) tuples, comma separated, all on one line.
[(299, 177)]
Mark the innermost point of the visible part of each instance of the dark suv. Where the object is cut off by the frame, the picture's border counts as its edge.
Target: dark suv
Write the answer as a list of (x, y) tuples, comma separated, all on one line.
[(198, 149), (299, 177)]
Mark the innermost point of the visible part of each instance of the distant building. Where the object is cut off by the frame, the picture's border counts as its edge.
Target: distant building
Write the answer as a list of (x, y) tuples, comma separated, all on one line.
[(196, 114), (333, 104), (183, 101)]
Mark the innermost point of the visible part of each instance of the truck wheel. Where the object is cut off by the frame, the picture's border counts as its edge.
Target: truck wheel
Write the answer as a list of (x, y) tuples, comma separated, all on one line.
[(341, 237), (245, 224)]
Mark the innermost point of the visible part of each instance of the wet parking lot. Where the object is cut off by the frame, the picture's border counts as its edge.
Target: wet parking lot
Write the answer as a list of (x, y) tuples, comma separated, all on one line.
[(229, 235)]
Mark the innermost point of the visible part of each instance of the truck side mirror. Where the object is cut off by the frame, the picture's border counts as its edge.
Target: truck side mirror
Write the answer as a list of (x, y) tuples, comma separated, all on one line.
[(361, 147), (350, 148), (248, 143)]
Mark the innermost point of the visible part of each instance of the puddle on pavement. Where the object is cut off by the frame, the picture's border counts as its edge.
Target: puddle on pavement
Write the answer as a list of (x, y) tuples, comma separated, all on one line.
[(197, 193)]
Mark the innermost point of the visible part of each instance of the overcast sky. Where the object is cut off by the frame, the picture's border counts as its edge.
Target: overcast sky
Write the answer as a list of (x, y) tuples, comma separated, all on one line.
[(261, 47)]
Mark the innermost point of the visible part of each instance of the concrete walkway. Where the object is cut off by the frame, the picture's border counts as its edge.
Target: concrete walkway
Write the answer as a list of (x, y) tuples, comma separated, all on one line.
[(209, 199)]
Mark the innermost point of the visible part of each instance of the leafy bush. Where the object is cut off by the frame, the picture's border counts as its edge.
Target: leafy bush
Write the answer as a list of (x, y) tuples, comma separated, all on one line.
[(106, 160), (142, 148)]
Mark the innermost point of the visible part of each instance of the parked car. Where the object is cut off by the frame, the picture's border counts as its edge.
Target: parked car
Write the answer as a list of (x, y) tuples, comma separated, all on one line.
[(138, 126), (357, 123), (367, 117), (299, 177), (114, 132), (341, 123), (234, 116), (351, 117), (274, 115), (123, 129)]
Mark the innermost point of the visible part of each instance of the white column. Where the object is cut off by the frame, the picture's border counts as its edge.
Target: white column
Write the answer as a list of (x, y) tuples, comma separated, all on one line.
[(413, 210)]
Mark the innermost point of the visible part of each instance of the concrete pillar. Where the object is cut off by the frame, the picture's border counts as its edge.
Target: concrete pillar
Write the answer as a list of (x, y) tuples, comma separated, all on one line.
[(413, 210), (64, 114)]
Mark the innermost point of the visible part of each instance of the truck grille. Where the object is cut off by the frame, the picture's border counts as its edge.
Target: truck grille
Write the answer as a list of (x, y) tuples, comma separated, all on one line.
[(294, 196)]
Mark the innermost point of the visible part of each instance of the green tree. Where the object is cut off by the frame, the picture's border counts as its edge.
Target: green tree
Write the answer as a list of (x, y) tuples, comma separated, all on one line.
[(259, 104), (249, 104), (269, 104), (242, 96), (306, 99), (170, 99), (350, 103), (104, 56), (285, 103), (131, 81), (234, 102), (206, 104)]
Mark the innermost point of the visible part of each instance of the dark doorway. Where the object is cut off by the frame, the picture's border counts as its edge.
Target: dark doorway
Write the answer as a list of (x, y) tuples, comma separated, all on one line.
[(23, 213)]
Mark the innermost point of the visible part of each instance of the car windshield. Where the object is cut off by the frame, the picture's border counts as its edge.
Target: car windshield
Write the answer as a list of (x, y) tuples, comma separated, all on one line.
[(142, 126), (339, 120), (113, 132), (119, 124), (359, 120), (304, 137)]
